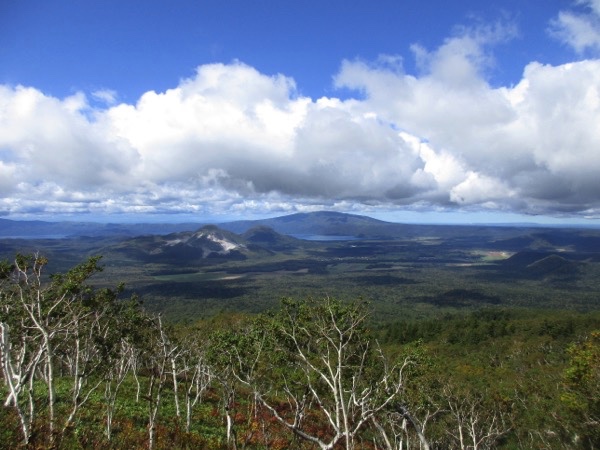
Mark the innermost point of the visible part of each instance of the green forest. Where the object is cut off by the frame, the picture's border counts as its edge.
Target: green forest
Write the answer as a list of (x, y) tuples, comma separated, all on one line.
[(87, 366)]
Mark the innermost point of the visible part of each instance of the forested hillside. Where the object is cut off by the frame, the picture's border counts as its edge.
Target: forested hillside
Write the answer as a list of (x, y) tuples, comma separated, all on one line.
[(403, 270), (87, 367)]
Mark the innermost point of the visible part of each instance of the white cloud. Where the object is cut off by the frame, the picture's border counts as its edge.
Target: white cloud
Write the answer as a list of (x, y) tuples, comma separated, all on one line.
[(231, 139), (52, 140), (7, 178), (477, 188), (224, 115), (106, 96), (579, 30), (532, 146)]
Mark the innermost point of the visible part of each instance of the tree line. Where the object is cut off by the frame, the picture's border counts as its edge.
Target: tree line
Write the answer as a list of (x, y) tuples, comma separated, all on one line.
[(83, 367)]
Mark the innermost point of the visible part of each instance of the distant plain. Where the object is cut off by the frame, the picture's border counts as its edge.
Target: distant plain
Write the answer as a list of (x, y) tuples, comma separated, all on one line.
[(404, 271)]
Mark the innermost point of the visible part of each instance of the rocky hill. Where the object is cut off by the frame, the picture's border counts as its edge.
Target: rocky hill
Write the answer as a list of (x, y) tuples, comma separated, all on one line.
[(208, 243)]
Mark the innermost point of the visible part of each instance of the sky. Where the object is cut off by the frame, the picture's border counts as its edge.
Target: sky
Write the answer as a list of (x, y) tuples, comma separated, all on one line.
[(406, 110)]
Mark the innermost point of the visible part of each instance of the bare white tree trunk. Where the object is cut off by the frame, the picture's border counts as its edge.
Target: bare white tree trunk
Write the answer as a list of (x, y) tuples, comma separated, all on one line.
[(135, 367), (174, 373), (477, 426), (197, 386), (163, 352), (348, 405), (329, 356), (113, 381), (18, 368), (88, 330), (40, 312), (229, 409), (59, 324)]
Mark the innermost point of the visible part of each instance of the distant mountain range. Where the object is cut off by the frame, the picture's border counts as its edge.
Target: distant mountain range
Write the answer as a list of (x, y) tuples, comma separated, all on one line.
[(302, 224), (289, 242), (37, 229), (313, 225)]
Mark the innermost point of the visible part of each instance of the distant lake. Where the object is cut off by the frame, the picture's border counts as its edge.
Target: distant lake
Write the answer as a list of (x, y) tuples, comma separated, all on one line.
[(324, 237)]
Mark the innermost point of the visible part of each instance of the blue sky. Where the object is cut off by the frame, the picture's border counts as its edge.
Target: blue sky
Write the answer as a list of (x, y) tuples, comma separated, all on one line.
[(408, 110)]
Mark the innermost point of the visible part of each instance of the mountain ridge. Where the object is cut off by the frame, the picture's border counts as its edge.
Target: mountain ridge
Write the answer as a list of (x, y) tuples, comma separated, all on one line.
[(64, 229), (209, 242), (326, 223), (322, 223)]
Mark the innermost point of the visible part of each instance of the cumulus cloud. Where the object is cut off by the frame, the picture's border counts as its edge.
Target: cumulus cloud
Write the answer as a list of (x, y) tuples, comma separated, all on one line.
[(580, 30), (232, 139), (44, 139), (530, 147), (227, 135)]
